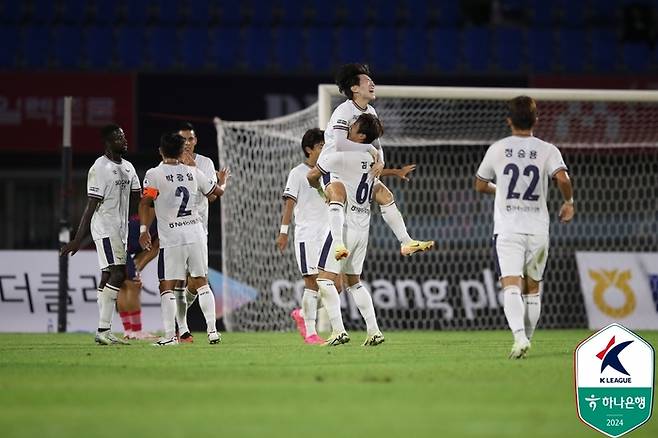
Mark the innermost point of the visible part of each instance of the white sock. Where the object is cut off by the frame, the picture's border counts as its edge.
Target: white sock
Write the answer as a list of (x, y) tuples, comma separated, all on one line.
[(331, 300), (207, 304), (336, 221), (363, 301), (532, 312), (168, 311), (189, 297), (310, 310), (107, 300), (181, 310), (514, 310), (395, 222)]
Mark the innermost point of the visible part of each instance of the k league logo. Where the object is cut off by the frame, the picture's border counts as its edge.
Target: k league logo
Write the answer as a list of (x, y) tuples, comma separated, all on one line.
[(614, 377)]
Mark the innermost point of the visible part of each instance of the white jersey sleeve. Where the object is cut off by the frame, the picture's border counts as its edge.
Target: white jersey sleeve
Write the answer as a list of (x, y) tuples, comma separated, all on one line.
[(292, 186), (96, 182), (555, 162), (486, 171), (206, 185), (150, 181), (135, 186)]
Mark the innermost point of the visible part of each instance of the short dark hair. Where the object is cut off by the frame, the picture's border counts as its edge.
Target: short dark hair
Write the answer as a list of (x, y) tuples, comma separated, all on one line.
[(108, 130), (311, 138), (522, 112), (185, 126), (348, 75), (171, 145), (370, 126)]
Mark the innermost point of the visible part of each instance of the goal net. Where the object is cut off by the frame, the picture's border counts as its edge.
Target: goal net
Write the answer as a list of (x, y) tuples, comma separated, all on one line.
[(608, 139)]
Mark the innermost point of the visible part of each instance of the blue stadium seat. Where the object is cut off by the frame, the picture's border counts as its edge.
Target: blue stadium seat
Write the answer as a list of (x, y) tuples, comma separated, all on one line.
[(319, 49), (194, 47), (604, 12), (509, 49), (99, 47), (449, 13), (168, 12), (573, 12), (10, 37), (636, 57), (326, 13), (225, 48), (414, 49), (163, 47), (74, 11), (37, 46), (130, 47), (289, 49), (257, 49), (572, 50), (418, 11), (541, 50), (107, 11), (199, 11), (43, 12), (261, 12), (68, 46), (351, 44), (382, 51), (477, 49), (542, 15), (292, 12), (445, 44), (604, 50), (137, 12), (385, 12), (11, 11)]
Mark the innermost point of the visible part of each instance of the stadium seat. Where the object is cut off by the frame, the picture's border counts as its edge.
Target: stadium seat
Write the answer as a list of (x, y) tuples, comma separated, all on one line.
[(636, 57), (477, 49), (414, 49), (163, 48), (319, 48), (605, 49), (572, 50), (225, 48), (43, 12), (136, 13), (37, 46), (445, 46), (11, 11), (509, 49), (326, 13), (257, 49), (385, 12), (99, 47), (418, 12), (291, 12), (289, 49), (107, 12), (541, 50), (73, 12), (10, 36), (604, 12), (542, 13), (449, 13), (351, 44), (130, 47), (68, 46), (198, 12), (260, 13), (195, 46), (573, 13), (383, 45), (168, 12)]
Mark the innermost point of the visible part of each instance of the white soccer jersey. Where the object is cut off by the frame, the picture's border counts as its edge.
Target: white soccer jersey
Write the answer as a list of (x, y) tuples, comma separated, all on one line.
[(311, 212), (175, 188), (520, 167), (205, 165), (111, 183)]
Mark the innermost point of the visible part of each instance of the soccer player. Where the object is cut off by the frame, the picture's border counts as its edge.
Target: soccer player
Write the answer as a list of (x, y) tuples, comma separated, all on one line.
[(185, 295), (516, 170), (172, 187), (358, 180), (310, 228), (110, 183), (354, 82)]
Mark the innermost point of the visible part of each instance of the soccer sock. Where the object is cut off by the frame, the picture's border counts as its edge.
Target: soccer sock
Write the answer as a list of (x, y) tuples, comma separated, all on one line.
[(363, 301), (207, 304), (395, 222), (136, 318), (181, 310), (514, 310), (189, 297), (532, 312), (107, 299), (126, 319), (310, 310), (168, 311), (331, 300), (336, 221)]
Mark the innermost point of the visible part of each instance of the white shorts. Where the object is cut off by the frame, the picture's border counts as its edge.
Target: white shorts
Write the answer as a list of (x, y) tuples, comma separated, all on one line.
[(356, 243), (307, 253), (521, 255), (175, 262), (111, 252), (329, 175)]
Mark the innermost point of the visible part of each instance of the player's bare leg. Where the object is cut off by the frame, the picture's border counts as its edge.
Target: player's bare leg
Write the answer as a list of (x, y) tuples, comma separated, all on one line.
[(337, 196), (514, 313), (395, 222), (363, 301)]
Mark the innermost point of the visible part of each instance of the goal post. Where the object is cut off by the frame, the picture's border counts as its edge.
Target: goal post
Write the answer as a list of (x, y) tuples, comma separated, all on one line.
[(609, 139)]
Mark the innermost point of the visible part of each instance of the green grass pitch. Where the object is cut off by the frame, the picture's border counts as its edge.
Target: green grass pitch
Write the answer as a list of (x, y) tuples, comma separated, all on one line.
[(416, 384)]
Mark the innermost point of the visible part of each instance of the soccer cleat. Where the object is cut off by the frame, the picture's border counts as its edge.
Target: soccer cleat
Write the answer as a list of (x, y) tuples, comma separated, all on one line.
[(519, 349), (186, 338), (415, 246), (102, 339), (299, 320), (214, 338), (341, 252), (337, 339), (374, 340), (166, 342), (314, 340), (116, 340)]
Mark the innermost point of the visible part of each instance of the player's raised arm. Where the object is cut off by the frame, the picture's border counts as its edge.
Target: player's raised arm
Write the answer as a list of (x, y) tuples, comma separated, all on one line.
[(401, 172), (222, 182), (83, 228), (567, 210)]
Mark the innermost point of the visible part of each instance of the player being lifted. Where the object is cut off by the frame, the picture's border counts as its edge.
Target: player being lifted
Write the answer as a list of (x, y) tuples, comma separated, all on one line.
[(310, 229), (172, 187), (354, 82), (358, 181), (110, 182), (185, 295), (520, 165)]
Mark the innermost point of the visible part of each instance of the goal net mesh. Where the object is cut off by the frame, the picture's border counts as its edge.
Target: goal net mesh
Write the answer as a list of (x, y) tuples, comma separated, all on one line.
[(610, 148)]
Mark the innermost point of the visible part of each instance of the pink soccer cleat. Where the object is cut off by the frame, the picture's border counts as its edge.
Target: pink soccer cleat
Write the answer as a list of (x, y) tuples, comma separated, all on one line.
[(314, 340), (299, 320)]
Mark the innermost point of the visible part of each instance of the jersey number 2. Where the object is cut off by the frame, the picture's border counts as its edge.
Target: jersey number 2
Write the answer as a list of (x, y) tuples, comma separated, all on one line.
[(182, 191), (532, 171)]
